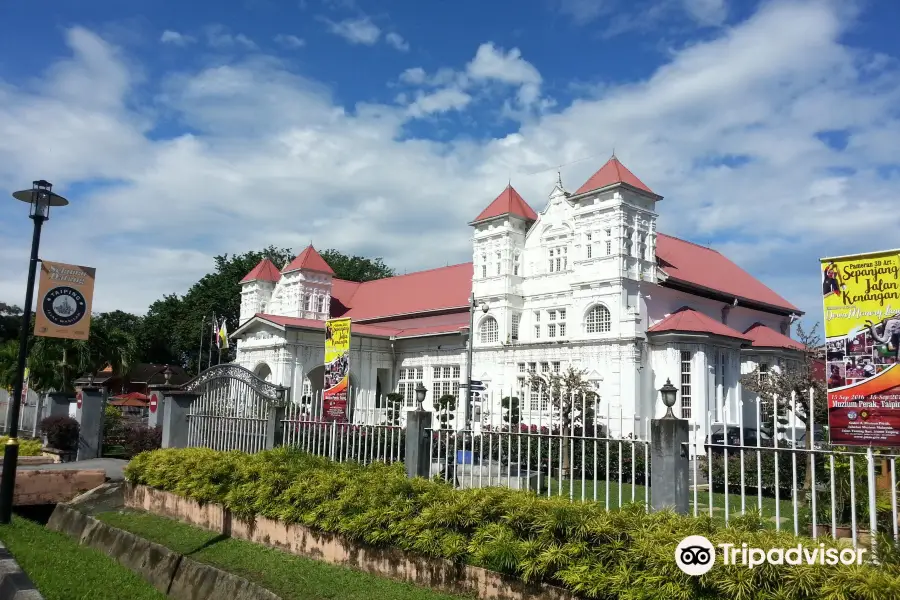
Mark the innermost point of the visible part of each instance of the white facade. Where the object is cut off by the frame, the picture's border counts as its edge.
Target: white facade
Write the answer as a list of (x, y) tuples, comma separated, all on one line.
[(578, 287)]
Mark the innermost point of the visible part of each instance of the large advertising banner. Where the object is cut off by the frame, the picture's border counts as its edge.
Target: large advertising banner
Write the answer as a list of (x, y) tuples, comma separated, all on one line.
[(861, 297), (337, 369), (64, 301)]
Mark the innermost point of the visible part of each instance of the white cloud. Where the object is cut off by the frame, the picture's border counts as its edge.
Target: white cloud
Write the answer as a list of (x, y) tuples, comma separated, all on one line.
[(356, 31), (290, 42), (176, 39), (441, 101), (584, 11), (707, 12), (491, 65), (218, 36), (760, 91), (396, 40)]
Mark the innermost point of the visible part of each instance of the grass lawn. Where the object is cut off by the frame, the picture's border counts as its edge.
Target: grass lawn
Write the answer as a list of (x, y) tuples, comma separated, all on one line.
[(63, 570), (291, 577)]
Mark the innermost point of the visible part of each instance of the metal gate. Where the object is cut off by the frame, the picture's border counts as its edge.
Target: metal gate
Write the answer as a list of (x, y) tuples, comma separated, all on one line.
[(234, 409)]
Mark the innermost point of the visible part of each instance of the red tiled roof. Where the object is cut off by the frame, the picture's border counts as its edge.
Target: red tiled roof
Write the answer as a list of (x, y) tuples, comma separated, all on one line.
[(309, 260), (129, 402), (508, 202), (402, 328), (766, 337), (611, 173), (688, 320), (132, 396), (264, 271), (424, 291), (705, 268)]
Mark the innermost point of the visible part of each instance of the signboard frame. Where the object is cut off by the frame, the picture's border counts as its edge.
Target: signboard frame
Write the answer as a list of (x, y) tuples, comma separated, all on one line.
[(65, 294), (861, 308), (335, 395)]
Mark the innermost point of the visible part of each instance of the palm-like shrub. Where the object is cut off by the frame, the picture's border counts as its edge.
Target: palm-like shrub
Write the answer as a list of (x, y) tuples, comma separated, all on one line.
[(596, 553)]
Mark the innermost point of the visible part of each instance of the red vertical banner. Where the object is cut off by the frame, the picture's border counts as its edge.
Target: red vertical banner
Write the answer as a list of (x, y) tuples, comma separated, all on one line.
[(337, 370)]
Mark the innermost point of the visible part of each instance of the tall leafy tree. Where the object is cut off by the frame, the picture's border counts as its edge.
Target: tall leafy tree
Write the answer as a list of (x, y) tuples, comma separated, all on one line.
[(356, 268), (10, 322), (574, 401)]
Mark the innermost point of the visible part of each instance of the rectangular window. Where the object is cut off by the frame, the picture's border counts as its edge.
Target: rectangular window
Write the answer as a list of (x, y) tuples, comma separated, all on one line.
[(515, 325), (521, 367), (556, 366), (562, 314), (551, 330), (534, 396), (718, 393), (410, 377), (551, 314), (446, 381), (545, 367), (562, 330), (589, 251), (532, 367), (537, 316), (499, 262), (558, 262), (537, 332), (685, 384), (483, 271)]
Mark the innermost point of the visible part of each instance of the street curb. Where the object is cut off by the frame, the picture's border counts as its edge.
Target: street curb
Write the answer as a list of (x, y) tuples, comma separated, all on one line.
[(14, 582)]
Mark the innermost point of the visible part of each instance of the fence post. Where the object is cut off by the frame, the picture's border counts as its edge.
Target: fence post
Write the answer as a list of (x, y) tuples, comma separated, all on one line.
[(175, 432), (90, 422), (38, 410), (669, 460), (418, 445), (274, 426)]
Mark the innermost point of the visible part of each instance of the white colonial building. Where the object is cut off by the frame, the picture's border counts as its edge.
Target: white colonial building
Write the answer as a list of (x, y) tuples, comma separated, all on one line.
[(587, 282)]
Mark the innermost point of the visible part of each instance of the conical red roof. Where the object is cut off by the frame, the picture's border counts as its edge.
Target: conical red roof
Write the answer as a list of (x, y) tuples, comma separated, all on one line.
[(611, 173), (264, 271), (309, 260), (508, 202)]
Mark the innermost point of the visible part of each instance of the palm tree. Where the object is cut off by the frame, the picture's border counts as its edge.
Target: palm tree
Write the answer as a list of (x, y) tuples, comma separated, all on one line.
[(9, 360), (55, 363)]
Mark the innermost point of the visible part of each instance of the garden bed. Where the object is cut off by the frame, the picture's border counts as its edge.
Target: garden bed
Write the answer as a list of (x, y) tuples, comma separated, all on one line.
[(593, 552)]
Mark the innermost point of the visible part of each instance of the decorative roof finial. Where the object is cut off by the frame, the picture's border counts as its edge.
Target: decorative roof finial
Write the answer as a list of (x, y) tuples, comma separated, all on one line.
[(614, 153), (559, 179)]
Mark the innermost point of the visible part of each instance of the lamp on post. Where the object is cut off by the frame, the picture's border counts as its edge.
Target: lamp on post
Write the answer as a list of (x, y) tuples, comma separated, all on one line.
[(167, 374), (669, 395), (40, 198), (473, 306), (421, 390)]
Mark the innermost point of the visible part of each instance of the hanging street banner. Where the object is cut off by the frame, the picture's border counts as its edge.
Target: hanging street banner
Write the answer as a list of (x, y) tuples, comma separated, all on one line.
[(64, 301), (861, 297), (337, 369)]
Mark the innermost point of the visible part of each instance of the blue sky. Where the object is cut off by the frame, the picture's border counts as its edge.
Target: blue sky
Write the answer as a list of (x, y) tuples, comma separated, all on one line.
[(183, 130)]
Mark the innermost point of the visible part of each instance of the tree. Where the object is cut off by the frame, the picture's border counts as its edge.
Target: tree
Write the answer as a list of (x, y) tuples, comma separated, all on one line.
[(775, 387), (55, 363), (356, 268), (574, 403), (775, 390), (173, 326), (10, 322), (9, 360)]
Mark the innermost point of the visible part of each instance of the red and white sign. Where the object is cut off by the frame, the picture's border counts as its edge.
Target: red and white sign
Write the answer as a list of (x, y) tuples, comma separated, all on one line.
[(78, 399), (154, 402)]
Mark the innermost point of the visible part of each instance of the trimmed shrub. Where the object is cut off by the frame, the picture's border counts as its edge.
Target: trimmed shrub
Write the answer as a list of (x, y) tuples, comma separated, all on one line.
[(621, 554), (139, 438), (27, 447), (61, 432)]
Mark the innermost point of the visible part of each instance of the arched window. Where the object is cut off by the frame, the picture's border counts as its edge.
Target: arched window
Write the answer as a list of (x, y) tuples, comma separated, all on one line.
[(597, 320), (489, 331)]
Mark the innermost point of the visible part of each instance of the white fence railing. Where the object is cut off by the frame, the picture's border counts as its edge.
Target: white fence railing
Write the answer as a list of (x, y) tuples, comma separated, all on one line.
[(29, 420), (372, 433)]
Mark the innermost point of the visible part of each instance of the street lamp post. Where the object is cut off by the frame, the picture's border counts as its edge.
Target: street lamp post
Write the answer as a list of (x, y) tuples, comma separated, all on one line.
[(472, 308), (41, 198)]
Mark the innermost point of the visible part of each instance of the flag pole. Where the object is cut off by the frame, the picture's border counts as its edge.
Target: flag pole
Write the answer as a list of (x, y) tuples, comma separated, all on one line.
[(215, 329), (200, 356)]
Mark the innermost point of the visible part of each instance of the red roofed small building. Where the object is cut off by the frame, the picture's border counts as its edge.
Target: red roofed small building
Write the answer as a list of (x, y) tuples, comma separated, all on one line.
[(586, 282)]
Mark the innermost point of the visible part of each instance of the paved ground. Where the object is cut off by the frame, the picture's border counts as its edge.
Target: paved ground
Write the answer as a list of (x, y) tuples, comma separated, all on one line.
[(112, 466)]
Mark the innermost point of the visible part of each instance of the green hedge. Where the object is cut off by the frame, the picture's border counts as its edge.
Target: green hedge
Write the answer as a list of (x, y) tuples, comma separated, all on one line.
[(626, 554), (27, 446)]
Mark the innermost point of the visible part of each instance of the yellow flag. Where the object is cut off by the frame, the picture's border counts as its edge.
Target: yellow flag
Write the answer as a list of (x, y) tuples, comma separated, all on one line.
[(223, 336)]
